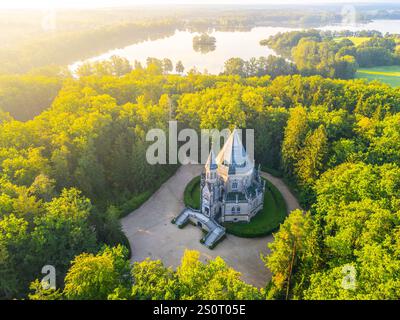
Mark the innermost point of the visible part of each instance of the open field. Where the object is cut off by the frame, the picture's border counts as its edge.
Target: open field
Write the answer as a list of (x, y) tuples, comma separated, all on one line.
[(386, 74), (356, 40)]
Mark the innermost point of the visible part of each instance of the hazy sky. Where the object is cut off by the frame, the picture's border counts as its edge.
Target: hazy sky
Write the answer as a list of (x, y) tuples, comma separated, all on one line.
[(108, 3)]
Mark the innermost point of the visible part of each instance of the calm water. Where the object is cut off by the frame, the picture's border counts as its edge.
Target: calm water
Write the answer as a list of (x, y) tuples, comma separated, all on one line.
[(228, 44)]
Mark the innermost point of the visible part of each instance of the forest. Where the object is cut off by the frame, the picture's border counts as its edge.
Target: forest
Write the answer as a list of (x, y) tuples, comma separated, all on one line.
[(76, 164), (334, 54)]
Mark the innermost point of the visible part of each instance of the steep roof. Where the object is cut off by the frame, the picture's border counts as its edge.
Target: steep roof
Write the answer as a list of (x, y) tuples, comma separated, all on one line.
[(234, 156), (211, 162)]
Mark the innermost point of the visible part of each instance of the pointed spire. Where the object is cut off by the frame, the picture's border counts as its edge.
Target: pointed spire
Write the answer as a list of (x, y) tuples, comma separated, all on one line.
[(233, 154), (211, 163)]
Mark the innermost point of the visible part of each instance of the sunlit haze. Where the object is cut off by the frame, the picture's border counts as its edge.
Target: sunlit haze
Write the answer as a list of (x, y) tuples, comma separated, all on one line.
[(39, 4)]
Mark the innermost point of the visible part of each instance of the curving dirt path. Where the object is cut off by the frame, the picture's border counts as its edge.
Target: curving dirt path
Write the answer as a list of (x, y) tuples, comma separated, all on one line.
[(151, 233), (291, 201)]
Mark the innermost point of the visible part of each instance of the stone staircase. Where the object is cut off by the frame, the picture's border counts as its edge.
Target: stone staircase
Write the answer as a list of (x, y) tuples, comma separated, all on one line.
[(212, 237), (215, 231)]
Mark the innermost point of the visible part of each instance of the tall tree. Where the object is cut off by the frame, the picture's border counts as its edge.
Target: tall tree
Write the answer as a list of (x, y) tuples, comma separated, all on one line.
[(167, 65), (14, 249), (235, 66), (295, 132), (99, 277), (311, 156), (290, 251), (179, 67), (62, 232)]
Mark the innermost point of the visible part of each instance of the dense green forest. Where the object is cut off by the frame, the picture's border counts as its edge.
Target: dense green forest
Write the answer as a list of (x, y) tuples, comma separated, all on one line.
[(68, 175), (25, 96)]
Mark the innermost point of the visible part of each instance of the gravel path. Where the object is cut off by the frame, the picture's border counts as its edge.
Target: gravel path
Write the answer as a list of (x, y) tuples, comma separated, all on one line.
[(151, 233), (291, 201)]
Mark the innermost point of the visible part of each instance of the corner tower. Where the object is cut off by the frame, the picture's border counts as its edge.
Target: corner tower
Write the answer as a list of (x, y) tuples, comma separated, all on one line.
[(210, 188)]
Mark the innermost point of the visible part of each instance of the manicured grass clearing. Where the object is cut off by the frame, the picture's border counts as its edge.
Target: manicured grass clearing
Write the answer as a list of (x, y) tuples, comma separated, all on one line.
[(191, 197), (264, 223), (356, 40), (386, 74), (196, 196)]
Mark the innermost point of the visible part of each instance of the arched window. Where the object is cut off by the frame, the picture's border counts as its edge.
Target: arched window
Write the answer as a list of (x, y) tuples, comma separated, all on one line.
[(238, 209), (234, 185), (233, 209)]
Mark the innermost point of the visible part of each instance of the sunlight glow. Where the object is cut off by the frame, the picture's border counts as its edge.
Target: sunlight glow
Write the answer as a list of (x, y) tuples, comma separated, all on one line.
[(45, 4)]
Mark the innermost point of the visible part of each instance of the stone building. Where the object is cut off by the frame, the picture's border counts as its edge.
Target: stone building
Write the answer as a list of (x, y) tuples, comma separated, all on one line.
[(231, 190), (231, 187)]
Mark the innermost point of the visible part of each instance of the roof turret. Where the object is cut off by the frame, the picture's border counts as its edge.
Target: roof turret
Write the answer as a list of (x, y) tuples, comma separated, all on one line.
[(234, 156)]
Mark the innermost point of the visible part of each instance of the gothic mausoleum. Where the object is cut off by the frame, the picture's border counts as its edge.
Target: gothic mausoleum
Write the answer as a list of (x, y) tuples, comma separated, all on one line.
[(231, 190)]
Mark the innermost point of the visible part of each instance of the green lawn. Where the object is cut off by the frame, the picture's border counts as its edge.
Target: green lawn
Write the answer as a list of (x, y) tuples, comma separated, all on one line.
[(264, 223), (191, 196), (386, 74), (356, 40)]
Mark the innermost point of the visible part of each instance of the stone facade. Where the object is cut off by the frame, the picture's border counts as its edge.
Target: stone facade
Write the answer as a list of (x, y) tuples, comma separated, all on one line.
[(231, 186), (231, 190)]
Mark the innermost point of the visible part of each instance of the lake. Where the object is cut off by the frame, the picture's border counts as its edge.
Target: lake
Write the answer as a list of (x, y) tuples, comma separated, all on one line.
[(243, 44)]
